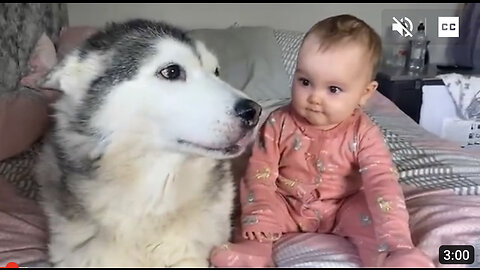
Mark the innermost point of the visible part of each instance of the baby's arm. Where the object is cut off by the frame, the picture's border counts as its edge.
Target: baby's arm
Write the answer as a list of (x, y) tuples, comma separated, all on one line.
[(383, 192), (258, 185)]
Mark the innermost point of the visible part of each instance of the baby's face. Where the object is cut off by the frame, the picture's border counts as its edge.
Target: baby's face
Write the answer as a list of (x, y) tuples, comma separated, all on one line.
[(329, 84)]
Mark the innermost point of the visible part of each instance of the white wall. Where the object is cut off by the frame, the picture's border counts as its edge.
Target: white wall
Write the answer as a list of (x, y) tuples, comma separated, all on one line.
[(281, 16)]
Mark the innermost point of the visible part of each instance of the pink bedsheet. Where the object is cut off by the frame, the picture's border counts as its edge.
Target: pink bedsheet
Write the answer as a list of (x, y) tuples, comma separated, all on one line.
[(436, 218), (23, 232), (443, 218)]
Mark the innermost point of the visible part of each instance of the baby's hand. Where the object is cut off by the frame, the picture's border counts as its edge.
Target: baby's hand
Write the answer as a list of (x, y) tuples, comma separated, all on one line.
[(261, 236)]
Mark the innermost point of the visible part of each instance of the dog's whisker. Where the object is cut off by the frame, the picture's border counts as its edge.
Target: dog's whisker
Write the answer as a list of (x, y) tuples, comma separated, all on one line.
[(156, 246), (165, 183)]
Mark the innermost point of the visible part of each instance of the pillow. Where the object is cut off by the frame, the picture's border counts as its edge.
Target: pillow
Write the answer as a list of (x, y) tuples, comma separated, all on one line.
[(289, 42), (249, 58), (23, 120), (72, 37), (42, 59), (44, 55)]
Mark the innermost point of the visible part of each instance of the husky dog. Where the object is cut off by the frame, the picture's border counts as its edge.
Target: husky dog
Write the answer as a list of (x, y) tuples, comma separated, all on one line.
[(136, 170)]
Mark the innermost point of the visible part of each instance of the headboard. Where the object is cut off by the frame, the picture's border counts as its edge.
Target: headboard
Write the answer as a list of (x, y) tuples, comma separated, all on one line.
[(21, 25)]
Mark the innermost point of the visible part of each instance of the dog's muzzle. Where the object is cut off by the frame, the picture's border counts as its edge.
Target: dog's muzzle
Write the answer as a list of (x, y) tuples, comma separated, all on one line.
[(249, 111)]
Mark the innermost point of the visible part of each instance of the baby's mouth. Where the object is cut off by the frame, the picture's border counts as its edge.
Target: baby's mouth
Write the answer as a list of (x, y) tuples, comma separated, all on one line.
[(314, 110)]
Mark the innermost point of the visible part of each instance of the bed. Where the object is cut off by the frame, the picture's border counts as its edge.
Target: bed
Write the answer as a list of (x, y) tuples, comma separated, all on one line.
[(441, 181)]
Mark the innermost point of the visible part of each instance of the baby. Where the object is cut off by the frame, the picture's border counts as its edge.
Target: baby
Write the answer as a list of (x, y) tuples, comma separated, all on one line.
[(320, 164)]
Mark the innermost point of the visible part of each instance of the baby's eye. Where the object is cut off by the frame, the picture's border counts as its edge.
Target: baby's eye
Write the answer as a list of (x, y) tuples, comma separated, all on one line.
[(335, 90), (304, 82)]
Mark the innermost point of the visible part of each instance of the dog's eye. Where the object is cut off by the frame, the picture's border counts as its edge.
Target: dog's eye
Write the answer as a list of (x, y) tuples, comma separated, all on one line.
[(217, 72), (173, 72)]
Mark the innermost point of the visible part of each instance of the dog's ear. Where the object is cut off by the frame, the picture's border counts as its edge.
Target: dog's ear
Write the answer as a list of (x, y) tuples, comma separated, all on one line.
[(208, 58), (74, 74), (51, 81)]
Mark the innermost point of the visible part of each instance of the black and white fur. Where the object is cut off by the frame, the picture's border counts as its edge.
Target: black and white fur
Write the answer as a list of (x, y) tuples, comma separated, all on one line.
[(135, 171)]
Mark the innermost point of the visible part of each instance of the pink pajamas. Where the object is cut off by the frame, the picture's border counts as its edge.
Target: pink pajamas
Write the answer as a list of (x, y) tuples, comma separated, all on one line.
[(340, 181)]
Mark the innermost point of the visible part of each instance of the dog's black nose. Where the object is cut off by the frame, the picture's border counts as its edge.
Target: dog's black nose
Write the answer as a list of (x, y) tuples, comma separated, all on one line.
[(249, 111)]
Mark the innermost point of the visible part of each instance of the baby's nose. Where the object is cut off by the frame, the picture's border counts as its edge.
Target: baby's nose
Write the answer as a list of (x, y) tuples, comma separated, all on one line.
[(315, 98)]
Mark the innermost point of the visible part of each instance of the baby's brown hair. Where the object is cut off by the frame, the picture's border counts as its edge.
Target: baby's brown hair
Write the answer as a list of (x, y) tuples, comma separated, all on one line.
[(348, 28)]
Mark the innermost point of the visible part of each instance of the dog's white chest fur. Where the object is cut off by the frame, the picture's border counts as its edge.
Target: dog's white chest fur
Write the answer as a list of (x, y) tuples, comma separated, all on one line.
[(159, 217)]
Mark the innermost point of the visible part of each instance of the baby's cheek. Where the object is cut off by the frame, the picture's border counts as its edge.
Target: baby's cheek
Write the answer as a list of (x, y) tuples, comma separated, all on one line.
[(299, 94)]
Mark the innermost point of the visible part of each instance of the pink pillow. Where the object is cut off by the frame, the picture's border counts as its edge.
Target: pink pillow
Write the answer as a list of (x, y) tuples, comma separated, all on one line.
[(42, 59), (23, 120), (72, 37)]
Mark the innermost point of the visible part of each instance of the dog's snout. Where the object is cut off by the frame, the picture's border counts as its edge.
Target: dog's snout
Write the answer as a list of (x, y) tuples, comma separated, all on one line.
[(249, 111)]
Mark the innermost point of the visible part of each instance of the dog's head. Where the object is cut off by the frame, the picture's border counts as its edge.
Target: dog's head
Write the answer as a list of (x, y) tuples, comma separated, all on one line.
[(150, 80)]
